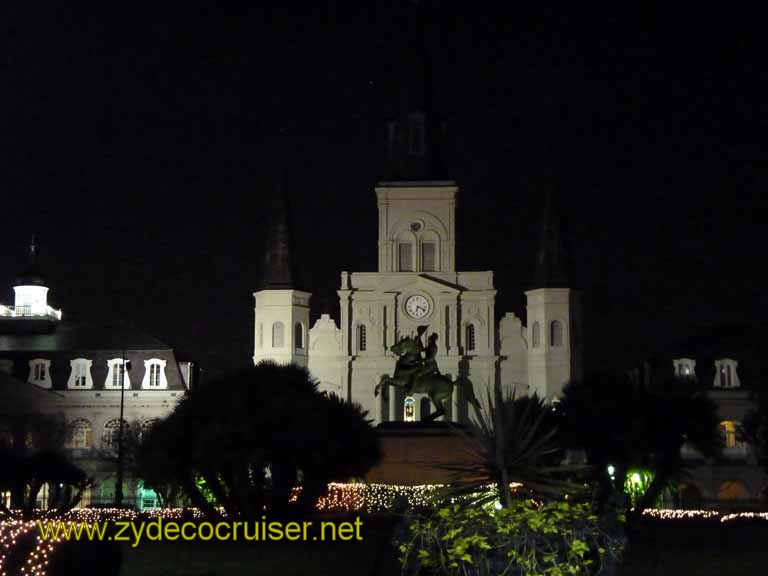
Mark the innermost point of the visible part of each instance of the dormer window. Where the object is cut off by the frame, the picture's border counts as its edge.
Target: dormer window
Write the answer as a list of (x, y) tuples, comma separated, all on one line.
[(725, 374), (154, 375), (80, 374), (117, 374), (684, 367), (39, 372), (6, 367)]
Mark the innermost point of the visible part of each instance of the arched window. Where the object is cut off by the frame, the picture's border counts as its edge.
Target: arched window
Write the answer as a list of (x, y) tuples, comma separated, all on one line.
[(111, 436), (728, 434), (429, 256), (146, 426), (405, 256), (469, 337), (79, 434), (277, 335), (362, 338), (409, 409), (298, 336), (556, 333), (535, 335), (425, 407)]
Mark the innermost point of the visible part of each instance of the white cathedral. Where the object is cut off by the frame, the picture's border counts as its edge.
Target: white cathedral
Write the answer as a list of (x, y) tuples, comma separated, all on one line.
[(418, 284)]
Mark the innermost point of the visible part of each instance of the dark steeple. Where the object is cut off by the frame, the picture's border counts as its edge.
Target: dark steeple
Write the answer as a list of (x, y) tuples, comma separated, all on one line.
[(31, 276), (414, 135), (279, 271), (551, 269)]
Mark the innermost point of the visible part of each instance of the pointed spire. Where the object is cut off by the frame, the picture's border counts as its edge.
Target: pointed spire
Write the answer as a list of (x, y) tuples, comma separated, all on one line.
[(413, 139), (279, 270), (551, 269), (31, 276)]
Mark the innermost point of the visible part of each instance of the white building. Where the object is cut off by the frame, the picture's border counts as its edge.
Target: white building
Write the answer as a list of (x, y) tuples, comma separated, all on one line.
[(73, 372), (417, 283)]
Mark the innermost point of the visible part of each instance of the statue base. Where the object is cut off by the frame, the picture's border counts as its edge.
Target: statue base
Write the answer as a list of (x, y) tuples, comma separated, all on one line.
[(415, 453)]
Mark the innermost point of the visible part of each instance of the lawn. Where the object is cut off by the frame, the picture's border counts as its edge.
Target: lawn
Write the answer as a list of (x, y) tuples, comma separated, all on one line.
[(661, 548), (699, 549), (371, 556)]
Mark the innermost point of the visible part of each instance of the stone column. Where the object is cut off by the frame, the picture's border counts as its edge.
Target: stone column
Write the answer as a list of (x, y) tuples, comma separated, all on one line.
[(395, 411), (455, 400)]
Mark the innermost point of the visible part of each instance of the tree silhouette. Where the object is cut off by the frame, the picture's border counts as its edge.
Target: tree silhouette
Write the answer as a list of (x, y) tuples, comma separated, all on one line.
[(621, 424), (245, 441), (31, 456)]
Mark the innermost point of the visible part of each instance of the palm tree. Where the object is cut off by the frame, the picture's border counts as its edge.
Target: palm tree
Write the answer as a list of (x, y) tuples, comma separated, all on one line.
[(516, 442)]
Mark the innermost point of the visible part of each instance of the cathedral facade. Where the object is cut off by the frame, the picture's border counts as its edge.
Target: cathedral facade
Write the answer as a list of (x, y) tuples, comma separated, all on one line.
[(418, 287)]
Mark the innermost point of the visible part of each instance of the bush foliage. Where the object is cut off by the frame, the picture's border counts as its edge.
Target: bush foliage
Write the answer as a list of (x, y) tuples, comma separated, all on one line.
[(554, 539)]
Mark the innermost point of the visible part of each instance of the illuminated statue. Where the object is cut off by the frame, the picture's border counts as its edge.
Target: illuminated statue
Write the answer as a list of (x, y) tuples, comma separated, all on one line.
[(416, 372)]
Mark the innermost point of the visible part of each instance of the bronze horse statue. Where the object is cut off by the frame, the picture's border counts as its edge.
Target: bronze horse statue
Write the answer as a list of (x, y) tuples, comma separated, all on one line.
[(415, 375)]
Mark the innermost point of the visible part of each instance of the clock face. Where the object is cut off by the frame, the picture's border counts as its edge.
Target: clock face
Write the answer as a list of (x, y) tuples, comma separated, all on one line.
[(417, 306)]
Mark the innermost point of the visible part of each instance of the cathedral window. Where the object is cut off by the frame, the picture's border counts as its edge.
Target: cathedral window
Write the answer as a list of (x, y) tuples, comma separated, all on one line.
[(469, 337), (405, 256), (117, 374), (409, 409), (111, 437), (429, 256), (535, 335), (80, 434), (298, 336), (362, 342), (425, 407), (39, 372), (277, 335), (80, 374), (556, 333), (154, 374)]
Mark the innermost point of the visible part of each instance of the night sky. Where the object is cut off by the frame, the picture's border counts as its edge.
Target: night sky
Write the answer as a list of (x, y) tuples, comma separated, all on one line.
[(140, 148)]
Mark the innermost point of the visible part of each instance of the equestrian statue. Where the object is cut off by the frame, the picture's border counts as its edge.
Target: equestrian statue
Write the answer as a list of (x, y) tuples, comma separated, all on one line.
[(416, 372)]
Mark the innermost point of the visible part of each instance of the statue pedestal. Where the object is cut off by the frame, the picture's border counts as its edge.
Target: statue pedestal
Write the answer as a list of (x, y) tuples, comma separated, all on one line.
[(416, 453)]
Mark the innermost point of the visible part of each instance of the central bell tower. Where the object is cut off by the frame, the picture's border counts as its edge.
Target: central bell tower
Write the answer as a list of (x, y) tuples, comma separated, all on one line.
[(417, 226)]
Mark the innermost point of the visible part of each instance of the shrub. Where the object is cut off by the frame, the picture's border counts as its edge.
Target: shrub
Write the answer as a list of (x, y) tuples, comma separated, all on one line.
[(555, 538)]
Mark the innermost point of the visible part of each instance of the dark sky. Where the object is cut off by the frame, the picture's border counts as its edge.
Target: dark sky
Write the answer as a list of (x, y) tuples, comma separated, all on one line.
[(140, 148)]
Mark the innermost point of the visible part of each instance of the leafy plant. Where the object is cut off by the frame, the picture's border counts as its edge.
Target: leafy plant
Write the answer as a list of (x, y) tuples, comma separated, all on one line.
[(555, 538)]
